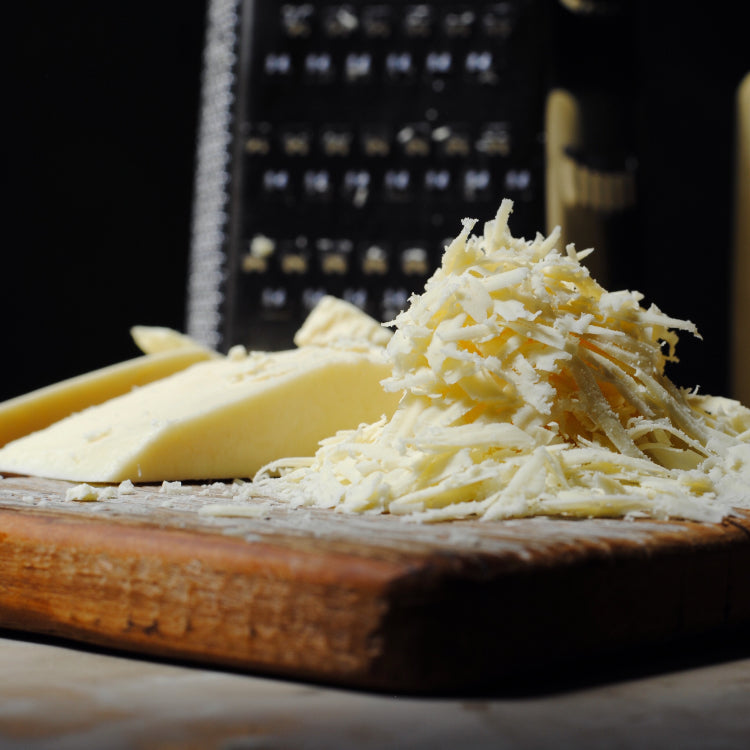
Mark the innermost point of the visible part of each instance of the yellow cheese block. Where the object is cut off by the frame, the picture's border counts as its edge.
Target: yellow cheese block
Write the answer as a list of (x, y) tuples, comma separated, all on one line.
[(220, 419), (36, 410)]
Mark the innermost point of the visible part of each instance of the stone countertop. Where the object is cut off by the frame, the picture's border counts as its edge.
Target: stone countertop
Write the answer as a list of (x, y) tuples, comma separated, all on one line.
[(55, 695)]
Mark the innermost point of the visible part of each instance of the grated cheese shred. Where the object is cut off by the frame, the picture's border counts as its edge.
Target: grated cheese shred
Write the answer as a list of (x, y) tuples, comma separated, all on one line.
[(528, 389)]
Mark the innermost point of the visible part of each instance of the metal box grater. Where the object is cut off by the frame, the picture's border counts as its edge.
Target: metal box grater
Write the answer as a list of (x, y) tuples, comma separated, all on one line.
[(340, 146)]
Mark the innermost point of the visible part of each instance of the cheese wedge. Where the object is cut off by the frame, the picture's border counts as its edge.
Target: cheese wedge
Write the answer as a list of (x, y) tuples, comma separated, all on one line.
[(36, 410), (156, 339), (219, 419), (336, 322)]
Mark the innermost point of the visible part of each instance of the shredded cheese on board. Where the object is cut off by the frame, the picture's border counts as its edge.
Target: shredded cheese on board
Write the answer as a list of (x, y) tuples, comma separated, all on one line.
[(528, 389)]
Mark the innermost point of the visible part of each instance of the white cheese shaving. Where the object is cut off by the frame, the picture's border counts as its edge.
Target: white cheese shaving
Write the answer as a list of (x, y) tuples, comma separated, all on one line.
[(251, 510), (528, 389)]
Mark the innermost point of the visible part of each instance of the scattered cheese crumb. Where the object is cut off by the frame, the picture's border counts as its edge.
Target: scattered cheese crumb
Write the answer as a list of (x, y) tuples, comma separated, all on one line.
[(85, 493), (237, 353), (126, 487), (170, 487), (528, 389)]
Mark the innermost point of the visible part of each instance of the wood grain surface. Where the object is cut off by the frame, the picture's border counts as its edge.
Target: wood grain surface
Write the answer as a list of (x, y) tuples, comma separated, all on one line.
[(370, 601)]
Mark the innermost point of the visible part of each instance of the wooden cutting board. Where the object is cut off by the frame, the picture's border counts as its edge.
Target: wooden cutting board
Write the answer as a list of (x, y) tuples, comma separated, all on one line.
[(366, 601)]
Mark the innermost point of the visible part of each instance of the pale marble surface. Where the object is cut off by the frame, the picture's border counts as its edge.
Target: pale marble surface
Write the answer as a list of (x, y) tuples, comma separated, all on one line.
[(55, 696)]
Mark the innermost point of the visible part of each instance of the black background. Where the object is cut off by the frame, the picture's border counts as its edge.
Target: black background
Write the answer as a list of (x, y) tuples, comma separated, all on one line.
[(99, 148), (100, 123)]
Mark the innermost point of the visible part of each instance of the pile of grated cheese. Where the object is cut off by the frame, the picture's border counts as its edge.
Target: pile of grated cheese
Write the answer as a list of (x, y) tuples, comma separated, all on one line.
[(528, 389)]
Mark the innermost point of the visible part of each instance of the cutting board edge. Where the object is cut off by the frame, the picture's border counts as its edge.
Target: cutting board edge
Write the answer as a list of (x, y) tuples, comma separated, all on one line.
[(172, 593), (409, 624)]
